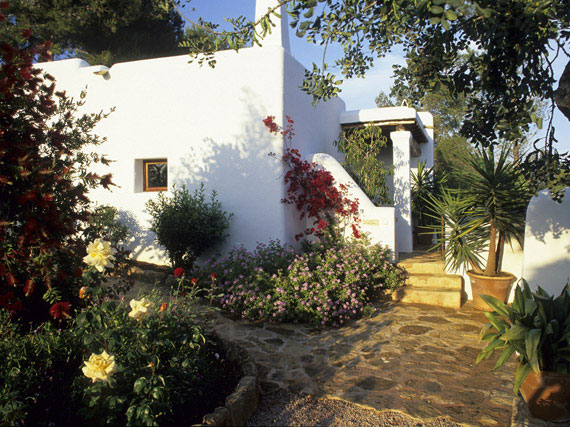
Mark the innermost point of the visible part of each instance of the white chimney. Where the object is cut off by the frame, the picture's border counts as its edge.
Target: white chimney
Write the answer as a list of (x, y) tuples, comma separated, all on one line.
[(280, 32)]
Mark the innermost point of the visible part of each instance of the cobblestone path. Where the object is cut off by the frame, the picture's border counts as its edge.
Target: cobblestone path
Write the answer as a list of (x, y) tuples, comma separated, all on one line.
[(414, 358)]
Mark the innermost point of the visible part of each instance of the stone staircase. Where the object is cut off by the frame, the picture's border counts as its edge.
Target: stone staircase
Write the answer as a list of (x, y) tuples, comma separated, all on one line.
[(427, 282)]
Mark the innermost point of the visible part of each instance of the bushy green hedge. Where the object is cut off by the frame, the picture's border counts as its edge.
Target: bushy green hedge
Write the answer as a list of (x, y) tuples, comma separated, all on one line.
[(187, 225)]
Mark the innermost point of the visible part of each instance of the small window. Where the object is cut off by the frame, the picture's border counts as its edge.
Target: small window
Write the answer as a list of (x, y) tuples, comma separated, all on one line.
[(155, 175)]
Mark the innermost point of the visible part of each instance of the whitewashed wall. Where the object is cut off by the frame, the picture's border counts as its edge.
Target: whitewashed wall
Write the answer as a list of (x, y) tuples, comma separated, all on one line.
[(206, 122), (316, 127), (547, 243)]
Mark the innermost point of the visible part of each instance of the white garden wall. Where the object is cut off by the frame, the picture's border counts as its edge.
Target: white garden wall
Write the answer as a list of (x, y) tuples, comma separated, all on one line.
[(375, 222), (547, 243)]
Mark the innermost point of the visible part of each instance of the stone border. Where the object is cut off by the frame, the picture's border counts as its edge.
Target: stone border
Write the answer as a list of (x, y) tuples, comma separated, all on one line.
[(242, 403)]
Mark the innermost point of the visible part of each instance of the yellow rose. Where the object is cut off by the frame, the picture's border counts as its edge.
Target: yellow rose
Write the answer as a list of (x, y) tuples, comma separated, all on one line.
[(99, 255), (99, 367), (140, 309)]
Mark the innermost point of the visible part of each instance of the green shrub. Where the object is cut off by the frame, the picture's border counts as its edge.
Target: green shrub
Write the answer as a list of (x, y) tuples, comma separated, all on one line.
[(35, 366), (186, 225), (166, 369)]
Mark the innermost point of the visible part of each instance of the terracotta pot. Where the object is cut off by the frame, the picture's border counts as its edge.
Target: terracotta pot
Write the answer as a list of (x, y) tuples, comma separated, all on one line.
[(497, 286), (547, 395)]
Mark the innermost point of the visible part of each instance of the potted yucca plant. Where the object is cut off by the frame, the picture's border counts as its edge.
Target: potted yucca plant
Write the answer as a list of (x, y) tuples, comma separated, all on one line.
[(485, 214), (535, 327)]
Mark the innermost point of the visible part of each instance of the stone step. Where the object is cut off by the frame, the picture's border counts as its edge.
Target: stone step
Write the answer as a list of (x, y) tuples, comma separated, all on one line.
[(440, 297), (414, 266), (446, 281)]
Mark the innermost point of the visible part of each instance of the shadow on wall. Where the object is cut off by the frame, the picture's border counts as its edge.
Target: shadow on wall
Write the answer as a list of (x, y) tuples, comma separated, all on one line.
[(542, 225), (543, 276), (139, 237), (246, 179)]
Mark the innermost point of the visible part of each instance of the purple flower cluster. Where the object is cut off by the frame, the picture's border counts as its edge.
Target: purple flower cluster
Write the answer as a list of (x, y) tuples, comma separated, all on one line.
[(324, 286)]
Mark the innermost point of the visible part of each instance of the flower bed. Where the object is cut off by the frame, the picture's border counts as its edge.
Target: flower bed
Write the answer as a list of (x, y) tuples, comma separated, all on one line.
[(324, 286), (141, 365)]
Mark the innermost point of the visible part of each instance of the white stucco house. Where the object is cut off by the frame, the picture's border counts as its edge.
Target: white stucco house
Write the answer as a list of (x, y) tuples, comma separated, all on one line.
[(178, 123)]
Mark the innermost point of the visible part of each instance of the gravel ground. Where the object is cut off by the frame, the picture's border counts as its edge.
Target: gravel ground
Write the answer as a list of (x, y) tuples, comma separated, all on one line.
[(286, 409)]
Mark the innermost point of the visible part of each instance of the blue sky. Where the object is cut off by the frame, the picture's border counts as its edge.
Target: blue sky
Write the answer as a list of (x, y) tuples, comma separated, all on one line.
[(356, 93)]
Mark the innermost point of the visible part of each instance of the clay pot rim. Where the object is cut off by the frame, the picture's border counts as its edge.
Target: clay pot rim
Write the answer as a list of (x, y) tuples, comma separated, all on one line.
[(552, 374), (503, 275)]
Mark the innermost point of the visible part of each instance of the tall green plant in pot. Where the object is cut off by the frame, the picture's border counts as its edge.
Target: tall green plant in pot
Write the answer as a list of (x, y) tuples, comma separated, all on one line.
[(537, 328), (488, 212)]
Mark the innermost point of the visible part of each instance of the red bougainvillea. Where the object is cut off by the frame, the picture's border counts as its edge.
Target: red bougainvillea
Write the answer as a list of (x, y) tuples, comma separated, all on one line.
[(312, 190)]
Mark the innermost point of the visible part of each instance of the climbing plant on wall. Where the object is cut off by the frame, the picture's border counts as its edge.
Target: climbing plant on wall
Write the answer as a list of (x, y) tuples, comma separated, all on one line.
[(362, 147)]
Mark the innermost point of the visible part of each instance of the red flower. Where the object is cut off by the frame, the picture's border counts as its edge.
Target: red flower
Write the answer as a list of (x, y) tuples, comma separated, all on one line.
[(213, 276), (60, 310), (179, 272), (270, 124), (355, 232), (26, 33), (194, 280), (29, 287)]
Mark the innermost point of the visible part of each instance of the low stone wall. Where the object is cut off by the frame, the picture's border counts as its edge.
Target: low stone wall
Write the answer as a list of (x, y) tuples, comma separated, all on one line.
[(242, 403)]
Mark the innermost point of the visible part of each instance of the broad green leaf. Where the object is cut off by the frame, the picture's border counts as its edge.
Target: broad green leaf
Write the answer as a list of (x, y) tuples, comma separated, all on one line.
[(529, 307), (532, 339), (505, 355), (139, 385), (498, 324), (450, 15), (515, 332), (522, 371), (496, 305), (436, 10)]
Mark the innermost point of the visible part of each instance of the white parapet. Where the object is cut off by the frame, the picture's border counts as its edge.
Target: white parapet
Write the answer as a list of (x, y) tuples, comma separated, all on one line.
[(376, 222)]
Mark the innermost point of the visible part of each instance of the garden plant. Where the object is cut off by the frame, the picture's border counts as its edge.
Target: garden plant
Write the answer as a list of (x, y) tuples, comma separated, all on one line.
[(44, 182), (187, 225), (144, 363), (535, 327)]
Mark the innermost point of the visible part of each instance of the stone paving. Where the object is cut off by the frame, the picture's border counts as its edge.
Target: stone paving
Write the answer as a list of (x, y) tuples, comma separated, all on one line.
[(414, 358)]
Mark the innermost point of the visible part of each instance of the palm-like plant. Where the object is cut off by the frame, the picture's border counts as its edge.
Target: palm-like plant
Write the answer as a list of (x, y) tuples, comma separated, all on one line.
[(488, 212)]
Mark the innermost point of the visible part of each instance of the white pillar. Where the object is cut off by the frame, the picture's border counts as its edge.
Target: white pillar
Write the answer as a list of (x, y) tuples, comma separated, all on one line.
[(401, 141), (280, 32), (427, 147)]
